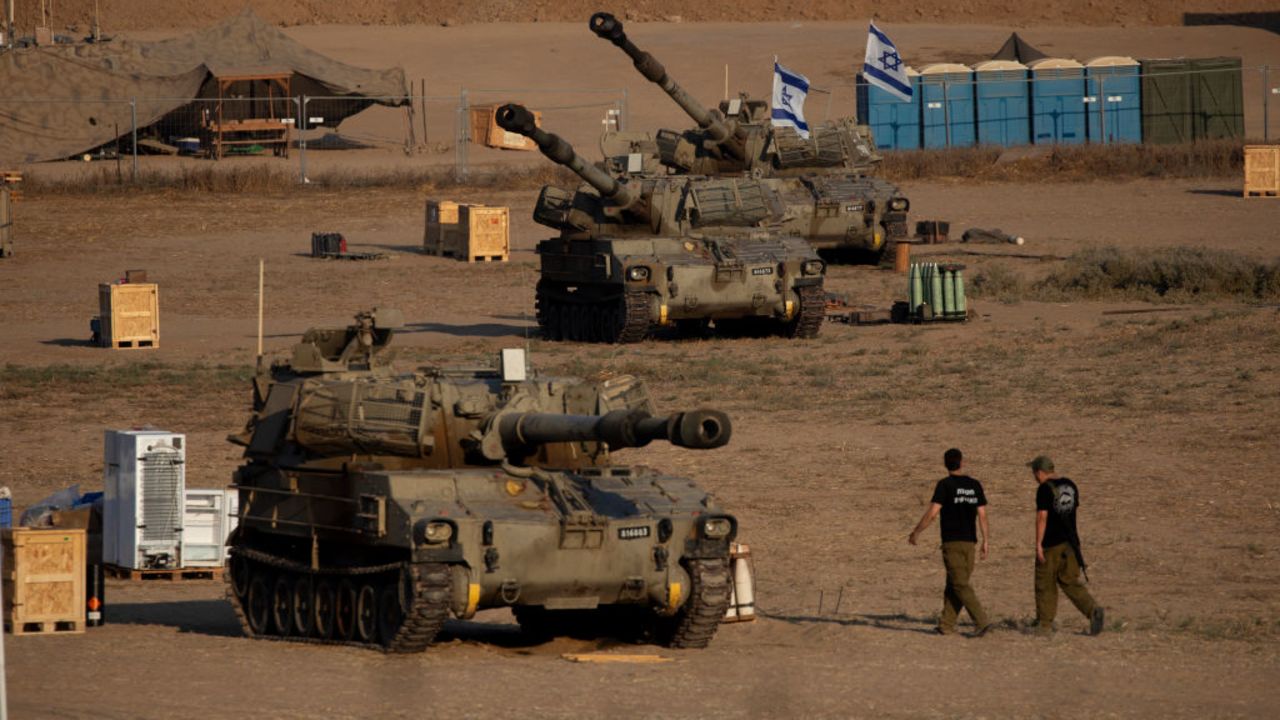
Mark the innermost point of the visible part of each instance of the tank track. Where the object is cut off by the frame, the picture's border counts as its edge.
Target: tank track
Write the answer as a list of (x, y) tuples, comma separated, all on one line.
[(813, 311), (697, 621), (562, 317), (427, 603)]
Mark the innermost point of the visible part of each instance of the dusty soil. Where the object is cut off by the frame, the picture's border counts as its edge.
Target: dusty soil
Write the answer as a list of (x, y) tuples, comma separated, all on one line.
[(1167, 418), (149, 14)]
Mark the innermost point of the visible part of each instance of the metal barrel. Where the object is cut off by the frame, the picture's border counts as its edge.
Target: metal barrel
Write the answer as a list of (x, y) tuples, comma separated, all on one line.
[(695, 429), (517, 119), (608, 27)]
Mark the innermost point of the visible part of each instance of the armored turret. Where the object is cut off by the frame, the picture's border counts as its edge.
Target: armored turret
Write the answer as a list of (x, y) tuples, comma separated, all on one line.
[(724, 133), (822, 180), (376, 503), (738, 136), (642, 205), (712, 251)]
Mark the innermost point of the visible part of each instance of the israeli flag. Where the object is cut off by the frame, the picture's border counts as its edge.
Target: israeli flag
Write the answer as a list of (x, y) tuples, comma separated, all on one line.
[(883, 66), (789, 91)]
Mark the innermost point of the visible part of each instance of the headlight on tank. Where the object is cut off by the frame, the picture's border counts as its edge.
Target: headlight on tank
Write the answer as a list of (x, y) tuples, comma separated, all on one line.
[(812, 267), (437, 532), (639, 273), (899, 204), (716, 528)]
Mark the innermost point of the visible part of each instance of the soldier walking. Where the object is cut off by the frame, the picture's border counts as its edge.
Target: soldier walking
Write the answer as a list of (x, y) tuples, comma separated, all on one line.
[(959, 499), (1059, 562)]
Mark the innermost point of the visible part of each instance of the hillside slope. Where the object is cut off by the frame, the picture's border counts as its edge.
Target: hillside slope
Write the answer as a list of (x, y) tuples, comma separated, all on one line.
[(121, 15)]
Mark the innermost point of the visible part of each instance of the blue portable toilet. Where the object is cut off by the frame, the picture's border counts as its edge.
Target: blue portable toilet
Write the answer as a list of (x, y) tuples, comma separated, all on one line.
[(1113, 96), (1004, 103), (1057, 101), (946, 106), (894, 124)]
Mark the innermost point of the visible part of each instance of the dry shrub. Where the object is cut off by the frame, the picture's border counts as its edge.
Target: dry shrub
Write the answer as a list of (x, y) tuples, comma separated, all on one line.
[(1217, 158), (1176, 274), (230, 178)]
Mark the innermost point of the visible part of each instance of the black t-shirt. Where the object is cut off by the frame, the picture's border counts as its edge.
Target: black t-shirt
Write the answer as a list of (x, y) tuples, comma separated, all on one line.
[(1060, 498), (960, 497)]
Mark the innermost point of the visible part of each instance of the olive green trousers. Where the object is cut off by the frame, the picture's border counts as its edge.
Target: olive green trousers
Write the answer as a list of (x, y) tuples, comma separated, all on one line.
[(958, 559), (1060, 570)]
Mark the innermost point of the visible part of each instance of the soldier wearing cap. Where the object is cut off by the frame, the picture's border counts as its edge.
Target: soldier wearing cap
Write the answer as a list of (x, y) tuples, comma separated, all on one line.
[(960, 501), (1059, 562)]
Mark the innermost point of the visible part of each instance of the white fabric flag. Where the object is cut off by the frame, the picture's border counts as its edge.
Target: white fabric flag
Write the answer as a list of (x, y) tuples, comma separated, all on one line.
[(789, 91), (883, 66)]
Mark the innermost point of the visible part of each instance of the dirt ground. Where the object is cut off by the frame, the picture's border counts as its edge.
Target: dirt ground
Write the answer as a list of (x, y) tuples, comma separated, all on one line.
[(149, 14), (1166, 417)]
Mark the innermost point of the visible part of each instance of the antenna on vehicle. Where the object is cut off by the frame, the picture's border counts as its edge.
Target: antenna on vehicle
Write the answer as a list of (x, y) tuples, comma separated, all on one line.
[(261, 273)]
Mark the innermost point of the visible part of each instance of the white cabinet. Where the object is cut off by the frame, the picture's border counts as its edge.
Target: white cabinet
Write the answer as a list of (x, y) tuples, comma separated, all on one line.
[(144, 476)]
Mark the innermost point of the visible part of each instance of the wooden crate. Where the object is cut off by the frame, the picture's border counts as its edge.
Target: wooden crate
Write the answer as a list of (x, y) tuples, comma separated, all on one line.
[(441, 215), (44, 575), (130, 315), (1262, 171), (485, 130), (468, 232)]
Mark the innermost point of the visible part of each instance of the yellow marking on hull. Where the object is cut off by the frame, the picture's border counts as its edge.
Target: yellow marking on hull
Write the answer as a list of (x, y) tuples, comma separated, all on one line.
[(473, 598), (662, 315), (673, 595)]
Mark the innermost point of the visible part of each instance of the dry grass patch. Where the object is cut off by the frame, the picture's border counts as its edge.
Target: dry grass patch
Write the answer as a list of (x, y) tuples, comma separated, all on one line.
[(1222, 158), (1179, 274)]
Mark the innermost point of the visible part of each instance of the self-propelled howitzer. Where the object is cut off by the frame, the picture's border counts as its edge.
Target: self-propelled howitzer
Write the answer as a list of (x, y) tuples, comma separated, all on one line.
[(824, 180), (374, 504), (638, 253)]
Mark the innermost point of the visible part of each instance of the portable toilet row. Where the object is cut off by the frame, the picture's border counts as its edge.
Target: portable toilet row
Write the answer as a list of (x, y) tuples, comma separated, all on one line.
[(1002, 102), (894, 124)]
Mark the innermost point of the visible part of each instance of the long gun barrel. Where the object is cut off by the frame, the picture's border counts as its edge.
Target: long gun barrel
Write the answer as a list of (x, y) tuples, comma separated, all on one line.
[(517, 119), (695, 429), (608, 27)]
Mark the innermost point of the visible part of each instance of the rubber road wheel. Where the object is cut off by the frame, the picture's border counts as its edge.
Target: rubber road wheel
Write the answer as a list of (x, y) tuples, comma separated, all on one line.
[(345, 610), (257, 605), (367, 614), (324, 606), (303, 615), (282, 606)]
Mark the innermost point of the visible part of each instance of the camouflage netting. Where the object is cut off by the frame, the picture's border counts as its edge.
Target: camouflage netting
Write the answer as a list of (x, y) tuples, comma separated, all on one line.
[(64, 100)]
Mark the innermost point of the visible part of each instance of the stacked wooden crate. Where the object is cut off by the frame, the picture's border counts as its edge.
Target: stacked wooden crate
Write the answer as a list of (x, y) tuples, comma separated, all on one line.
[(467, 232)]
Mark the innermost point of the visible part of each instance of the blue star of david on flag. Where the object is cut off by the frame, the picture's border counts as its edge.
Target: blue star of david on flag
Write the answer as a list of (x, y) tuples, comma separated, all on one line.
[(883, 66), (789, 92)]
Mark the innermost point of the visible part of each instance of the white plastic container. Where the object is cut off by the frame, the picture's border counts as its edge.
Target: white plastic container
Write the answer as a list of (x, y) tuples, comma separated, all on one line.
[(144, 478), (742, 583), (204, 531)]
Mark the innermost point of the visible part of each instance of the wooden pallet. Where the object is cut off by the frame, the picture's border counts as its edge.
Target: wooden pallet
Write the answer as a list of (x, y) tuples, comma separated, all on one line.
[(170, 574), (1261, 193), (437, 252), (131, 344), (64, 627)]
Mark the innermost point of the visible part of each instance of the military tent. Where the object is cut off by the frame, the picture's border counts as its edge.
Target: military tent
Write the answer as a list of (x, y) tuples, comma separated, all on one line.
[(61, 100), (1018, 50)]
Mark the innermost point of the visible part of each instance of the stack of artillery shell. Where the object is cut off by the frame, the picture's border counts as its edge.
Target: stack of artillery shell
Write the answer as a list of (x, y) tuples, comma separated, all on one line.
[(936, 292)]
